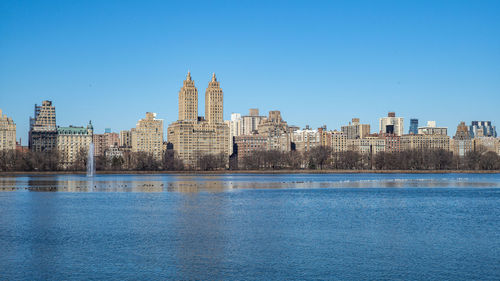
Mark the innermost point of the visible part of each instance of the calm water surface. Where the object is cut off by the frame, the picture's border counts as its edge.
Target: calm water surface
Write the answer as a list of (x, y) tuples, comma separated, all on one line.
[(251, 227)]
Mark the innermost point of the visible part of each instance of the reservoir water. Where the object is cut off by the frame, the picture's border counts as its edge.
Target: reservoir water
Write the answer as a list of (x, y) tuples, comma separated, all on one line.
[(251, 227)]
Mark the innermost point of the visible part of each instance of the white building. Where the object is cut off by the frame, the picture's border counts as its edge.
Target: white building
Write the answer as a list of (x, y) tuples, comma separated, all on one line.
[(306, 139), (392, 124), (431, 129)]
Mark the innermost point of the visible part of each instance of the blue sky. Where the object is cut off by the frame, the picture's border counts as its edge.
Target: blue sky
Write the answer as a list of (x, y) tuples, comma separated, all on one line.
[(318, 62)]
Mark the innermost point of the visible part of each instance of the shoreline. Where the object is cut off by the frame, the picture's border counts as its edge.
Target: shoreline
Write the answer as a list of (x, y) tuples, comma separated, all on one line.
[(255, 172)]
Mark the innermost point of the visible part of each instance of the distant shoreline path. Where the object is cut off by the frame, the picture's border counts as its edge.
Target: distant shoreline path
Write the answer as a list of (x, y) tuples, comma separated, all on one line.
[(263, 172)]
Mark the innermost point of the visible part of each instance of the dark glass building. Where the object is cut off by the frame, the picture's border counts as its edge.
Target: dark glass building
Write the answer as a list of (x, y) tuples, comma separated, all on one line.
[(413, 126)]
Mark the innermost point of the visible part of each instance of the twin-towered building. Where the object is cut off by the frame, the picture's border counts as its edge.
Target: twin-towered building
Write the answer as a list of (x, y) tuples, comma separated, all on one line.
[(193, 136)]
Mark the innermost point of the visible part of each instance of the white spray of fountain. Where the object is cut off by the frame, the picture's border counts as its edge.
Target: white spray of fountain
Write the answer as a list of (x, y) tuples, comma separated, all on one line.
[(90, 157)]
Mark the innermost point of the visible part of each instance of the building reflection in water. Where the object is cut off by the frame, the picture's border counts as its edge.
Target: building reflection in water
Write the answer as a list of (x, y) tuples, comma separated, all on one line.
[(196, 183), (201, 227), (213, 183), (93, 185)]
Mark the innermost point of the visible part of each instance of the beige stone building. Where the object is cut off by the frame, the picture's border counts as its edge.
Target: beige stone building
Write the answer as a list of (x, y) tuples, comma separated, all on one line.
[(72, 141), (369, 145), (356, 130), (486, 143), (192, 136), (7, 133), (188, 100), (425, 142), (43, 128), (214, 102), (306, 139), (125, 139), (147, 136), (462, 141)]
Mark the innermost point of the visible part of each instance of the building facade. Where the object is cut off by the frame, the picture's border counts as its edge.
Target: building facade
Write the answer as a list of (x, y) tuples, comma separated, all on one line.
[(246, 145), (425, 142), (482, 129), (71, 142), (306, 139), (192, 137), (147, 136), (413, 126), (392, 124), (43, 128), (7, 133), (432, 129), (355, 130), (125, 139), (462, 141), (251, 122), (103, 142)]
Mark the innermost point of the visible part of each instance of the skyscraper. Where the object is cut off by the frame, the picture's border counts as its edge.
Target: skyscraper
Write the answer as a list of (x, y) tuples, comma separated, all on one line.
[(214, 102), (188, 100), (413, 126), (193, 137), (43, 129), (392, 124)]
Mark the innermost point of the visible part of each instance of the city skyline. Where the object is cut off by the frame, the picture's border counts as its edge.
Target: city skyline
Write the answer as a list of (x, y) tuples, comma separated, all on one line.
[(375, 129), (318, 64)]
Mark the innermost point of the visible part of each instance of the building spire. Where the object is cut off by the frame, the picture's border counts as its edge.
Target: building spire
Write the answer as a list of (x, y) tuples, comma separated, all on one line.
[(188, 77), (214, 79)]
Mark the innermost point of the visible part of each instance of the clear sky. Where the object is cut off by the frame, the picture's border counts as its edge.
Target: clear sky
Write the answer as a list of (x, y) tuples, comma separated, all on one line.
[(318, 62)]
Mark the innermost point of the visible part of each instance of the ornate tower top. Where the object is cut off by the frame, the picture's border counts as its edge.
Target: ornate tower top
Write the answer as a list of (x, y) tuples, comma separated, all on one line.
[(214, 101), (188, 100)]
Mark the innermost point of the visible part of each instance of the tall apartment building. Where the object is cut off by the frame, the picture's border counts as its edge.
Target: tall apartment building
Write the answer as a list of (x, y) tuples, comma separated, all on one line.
[(214, 102), (125, 139), (7, 133), (234, 129), (482, 129), (462, 141), (43, 128), (432, 129), (273, 125), (188, 101), (277, 130), (251, 122), (392, 143), (103, 142), (413, 126), (339, 141), (425, 142), (488, 143), (71, 141), (356, 130), (392, 124), (306, 139), (193, 136), (147, 136), (370, 145), (246, 145)]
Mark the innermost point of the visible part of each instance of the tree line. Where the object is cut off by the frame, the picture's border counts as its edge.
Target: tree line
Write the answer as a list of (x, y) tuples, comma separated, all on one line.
[(317, 158)]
